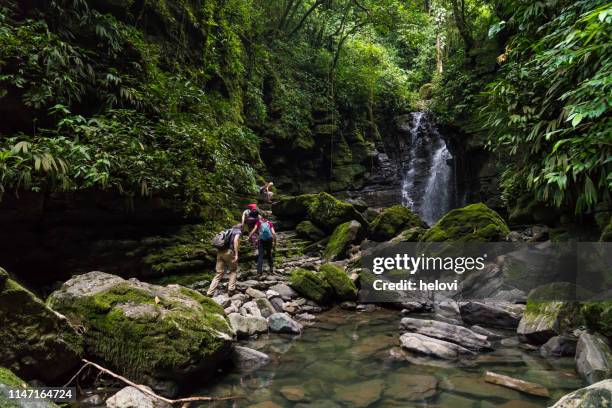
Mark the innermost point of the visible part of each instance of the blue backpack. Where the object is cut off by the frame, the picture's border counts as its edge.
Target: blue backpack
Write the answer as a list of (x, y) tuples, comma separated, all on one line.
[(265, 231)]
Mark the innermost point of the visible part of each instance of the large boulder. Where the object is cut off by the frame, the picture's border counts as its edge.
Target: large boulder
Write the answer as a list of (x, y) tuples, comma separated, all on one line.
[(340, 242), (293, 208), (153, 334), (310, 285), (8, 380), (473, 223), (245, 326), (307, 230), (491, 313), (445, 331), (132, 397), (35, 342), (247, 359), (593, 358), (328, 212), (598, 316), (283, 323), (429, 346), (341, 283), (594, 396), (392, 221)]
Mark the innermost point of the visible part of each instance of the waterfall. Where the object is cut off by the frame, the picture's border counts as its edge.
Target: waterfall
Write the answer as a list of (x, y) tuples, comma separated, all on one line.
[(428, 183)]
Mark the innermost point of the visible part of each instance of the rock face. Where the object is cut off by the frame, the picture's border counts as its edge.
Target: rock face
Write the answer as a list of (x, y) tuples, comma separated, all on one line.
[(473, 223), (35, 342), (594, 396), (444, 331), (283, 323), (9, 380), (432, 347), (340, 242), (153, 334), (311, 285), (593, 358), (131, 397), (492, 314), (392, 221), (342, 285), (559, 346)]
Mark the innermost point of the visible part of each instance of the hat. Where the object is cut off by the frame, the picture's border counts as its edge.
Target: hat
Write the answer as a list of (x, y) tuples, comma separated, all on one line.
[(252, 206)]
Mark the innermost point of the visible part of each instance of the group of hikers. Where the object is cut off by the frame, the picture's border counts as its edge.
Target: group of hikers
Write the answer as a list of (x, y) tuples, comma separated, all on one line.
[(261, 235)]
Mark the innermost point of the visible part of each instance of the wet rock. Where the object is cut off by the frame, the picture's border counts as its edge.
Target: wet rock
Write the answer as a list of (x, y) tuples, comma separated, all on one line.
[(247, 359), (359, 395), (319, 404), (411, 307), (491, 335), (477, 388), (593, 358), (559, 346), (293, 393), (306, 317), (432, 347), (516, 384), (444, 331), (510, 342), (131, 397), (492, 314), (265, 404), (348, 305), (245, 326), (36, 342), (254, 293), (367, 307), (410, 387), (283, 323), (594, 396), (95, 400), (285, 291)]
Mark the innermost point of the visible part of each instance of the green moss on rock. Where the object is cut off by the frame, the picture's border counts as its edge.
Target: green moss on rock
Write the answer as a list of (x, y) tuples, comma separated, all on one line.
[(393, 220), (146, 331), (341, 240), (413, 234), (310, 285), (475, 222), (606, 234), (328, 212), (7, 377), (598, 317), (293, 208), (343, 286), (307, 230)]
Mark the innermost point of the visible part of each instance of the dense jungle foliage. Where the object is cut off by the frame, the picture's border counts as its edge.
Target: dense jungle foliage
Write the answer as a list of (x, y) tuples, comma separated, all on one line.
[(178, 97)]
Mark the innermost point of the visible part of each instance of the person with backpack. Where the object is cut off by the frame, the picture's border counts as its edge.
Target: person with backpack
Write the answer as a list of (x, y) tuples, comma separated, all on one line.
[(227, 243), (266, 236), (250, 216)]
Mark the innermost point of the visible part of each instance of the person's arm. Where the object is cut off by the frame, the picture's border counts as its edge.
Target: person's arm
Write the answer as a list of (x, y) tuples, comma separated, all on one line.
[(243, 217), (252, 232), (273, 235), (236, 246)]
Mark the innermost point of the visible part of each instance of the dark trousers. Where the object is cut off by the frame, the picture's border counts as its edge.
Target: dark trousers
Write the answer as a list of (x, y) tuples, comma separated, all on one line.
[(264, 248)]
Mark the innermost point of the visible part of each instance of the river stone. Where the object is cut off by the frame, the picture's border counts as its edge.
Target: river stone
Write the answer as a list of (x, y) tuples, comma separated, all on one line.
[(343, 237), (547, 319), (278, 304), (319, 404), (35, 341), (432, 347), (492, 314), (410, 387), (223, 300), (478, 388), (293, 393), (255, 293), (594, 396), (131, 397), (265, 307), (245, 326), (559, 346), (359, 395), (445, 331), (247, 359), (283, 323), (250, 309), (285, 291), (593, 358), (265, 404), (180, 333), (491, 335)]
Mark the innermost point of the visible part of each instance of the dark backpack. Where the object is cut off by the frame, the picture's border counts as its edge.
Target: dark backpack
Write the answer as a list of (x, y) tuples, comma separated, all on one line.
[(222, 239)]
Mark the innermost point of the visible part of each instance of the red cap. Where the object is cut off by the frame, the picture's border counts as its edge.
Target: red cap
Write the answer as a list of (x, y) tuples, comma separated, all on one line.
[(252, 206)]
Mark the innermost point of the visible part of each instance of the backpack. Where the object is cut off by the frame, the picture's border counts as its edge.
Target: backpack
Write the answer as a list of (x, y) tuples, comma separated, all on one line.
[(265, 231), (222, 239)]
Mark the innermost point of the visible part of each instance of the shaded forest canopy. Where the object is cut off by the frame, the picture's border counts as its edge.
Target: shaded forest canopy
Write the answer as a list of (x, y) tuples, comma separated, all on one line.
[(194, 99)]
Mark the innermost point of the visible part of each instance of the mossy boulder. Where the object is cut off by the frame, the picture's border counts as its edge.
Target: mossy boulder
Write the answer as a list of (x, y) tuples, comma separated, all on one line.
[(307, 230), (341, 240), (35, 342), (310, 285), (343, 286), (528, 210), (393, 220), (598, 317), (152, 334), (473, 223), (328, 212), (413, 234), (9, 380), (293, 208)]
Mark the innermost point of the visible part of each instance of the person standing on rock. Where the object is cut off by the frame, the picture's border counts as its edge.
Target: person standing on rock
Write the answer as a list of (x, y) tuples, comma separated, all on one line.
[(266, 191), (266, 236), (227, 244)]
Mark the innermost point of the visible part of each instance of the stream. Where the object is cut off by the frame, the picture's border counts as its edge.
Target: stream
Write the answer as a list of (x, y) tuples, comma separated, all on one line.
[(344, 360)]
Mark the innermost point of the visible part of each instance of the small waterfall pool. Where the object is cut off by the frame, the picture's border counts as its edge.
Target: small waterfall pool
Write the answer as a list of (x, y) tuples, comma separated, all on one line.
[(428, 180)]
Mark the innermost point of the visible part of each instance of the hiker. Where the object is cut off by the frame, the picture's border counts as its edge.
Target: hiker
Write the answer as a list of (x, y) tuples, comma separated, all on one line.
[(266, 236), (250, 216), (266, 192), (227, 243)]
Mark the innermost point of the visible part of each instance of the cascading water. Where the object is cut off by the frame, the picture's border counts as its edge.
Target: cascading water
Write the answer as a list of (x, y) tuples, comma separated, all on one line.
[(428, 185)]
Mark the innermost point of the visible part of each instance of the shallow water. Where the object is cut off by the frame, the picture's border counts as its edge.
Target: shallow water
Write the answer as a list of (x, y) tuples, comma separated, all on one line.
[(344, 360)]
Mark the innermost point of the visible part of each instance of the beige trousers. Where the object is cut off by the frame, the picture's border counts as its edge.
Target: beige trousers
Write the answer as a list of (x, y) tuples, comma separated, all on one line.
[(225, 262)]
